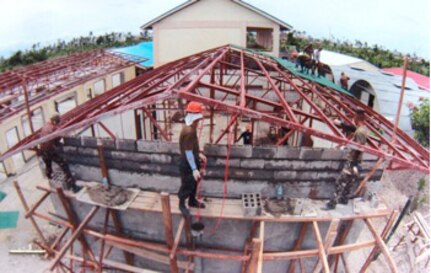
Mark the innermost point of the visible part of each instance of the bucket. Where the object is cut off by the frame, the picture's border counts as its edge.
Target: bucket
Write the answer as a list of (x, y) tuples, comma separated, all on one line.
[(197, 229)]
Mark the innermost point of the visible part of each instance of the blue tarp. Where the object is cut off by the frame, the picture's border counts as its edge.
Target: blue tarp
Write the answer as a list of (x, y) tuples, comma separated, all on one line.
[(144, 50)]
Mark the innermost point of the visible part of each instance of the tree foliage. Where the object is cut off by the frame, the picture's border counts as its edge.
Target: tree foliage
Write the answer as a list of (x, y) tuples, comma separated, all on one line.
[(377, 55), (61, 47), (420, 117)]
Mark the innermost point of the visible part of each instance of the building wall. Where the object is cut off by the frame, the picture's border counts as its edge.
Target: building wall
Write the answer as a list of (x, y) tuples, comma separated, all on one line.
[(48, 106), (153, 165), (205, 25)]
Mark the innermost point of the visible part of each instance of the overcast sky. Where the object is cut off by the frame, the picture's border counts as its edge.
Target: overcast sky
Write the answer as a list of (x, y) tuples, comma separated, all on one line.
[(394, 24)]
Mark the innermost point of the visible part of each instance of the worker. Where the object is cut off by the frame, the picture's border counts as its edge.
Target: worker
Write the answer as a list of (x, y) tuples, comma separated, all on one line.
[(309, 50), (306, 140), (344, 81), (350, 171), (316, 54), (49, 153), (247, 136), (191, 158)]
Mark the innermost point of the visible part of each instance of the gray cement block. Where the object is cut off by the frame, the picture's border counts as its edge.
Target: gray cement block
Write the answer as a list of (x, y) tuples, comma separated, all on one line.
[(147, 146), (108, 143), (285, 175), (333, 154), (241, 151), (264, 152), (125, 144), (138, 157), (221, 162), (215, 150), (90, 142), (252, 163), (72, 141), (84, 151), (161, 158), (311, 153), (168, 147), (287, 152), (70, 149)]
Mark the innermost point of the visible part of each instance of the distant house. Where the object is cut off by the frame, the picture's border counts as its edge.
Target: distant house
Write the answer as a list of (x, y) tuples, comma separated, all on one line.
[(379, 88), (198, 25)]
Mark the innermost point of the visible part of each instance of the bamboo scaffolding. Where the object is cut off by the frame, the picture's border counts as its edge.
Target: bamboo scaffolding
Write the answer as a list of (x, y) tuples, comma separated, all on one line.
[(166, 253)]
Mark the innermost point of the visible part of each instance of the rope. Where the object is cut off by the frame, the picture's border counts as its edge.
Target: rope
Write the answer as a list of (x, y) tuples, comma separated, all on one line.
[(226, 177), (203, 167)]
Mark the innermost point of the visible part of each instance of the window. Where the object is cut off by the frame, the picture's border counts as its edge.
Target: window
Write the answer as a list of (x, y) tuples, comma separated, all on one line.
[(259, 38), (37, 119), (99, 87), (117, 79), (65, 104)]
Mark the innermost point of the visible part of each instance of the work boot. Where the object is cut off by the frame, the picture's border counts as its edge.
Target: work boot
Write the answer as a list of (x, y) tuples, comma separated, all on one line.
[(344, 201), (184, 211), (193, 203), (76, 188), (330, 205)]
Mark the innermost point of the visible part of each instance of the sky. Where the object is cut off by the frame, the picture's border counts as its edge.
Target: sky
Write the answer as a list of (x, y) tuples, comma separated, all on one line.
[(402, 25)]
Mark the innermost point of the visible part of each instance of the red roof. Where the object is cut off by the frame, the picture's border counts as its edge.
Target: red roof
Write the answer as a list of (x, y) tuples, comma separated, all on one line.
[(421, 80)]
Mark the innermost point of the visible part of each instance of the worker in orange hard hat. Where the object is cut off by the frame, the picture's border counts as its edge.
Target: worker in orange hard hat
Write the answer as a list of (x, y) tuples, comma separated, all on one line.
[(191, 158), (247, 136)]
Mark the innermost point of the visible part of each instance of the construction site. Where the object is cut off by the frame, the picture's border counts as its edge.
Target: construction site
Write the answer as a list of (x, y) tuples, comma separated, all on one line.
[(266, 202)]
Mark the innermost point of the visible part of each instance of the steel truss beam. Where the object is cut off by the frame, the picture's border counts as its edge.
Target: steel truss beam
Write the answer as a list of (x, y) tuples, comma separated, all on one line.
[(243, 83)]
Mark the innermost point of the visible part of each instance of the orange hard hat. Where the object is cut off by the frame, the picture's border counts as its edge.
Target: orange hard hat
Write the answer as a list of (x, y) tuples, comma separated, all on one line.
[(195, 107)]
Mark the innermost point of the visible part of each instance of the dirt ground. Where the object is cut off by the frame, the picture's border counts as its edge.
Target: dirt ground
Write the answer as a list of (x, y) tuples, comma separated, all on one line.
[(394, 188)]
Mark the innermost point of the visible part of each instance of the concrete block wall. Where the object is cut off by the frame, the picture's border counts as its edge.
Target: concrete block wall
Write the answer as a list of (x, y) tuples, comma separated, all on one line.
[(153, 165), (229, 234)]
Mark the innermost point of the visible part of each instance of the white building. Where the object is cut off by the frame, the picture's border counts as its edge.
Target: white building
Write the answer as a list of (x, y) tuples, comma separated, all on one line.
[(198, 25)]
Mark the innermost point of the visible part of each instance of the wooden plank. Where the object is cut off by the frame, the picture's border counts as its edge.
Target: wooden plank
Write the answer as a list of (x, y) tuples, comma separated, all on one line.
[(151, 255), (150, 201), (322, 254), (382, 246), (73, 221), (329, 241), (297, 246), (126, 267), (384, 233), (247, 245), (261, 239), (76, 233), (346, 266), (37, 204), (167, 223), (177, 238), (32, 220), (254, 258)]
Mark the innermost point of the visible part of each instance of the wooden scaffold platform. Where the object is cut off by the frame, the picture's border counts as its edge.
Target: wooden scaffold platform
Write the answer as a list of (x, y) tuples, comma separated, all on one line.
[(331, 247)]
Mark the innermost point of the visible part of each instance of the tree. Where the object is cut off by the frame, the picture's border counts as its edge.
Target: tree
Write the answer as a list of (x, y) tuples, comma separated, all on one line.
[(420, 117)]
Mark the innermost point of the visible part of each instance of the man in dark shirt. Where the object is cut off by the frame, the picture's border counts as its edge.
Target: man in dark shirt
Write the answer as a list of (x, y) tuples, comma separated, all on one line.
[(350, 171), (247, 136), (49, 153), (191, 158)]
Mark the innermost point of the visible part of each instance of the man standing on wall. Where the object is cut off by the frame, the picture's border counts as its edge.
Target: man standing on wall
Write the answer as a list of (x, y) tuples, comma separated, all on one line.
[(247, 136), (344, 81), (350, 171), (49, 153), (191, 159)]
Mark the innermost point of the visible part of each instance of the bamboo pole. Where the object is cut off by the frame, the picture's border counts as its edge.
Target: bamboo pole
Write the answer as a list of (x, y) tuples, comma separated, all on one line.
[(400, 103), (254, 258), (32, 220), (167, 223), (75, 235), (322, 254), (382, 246)]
